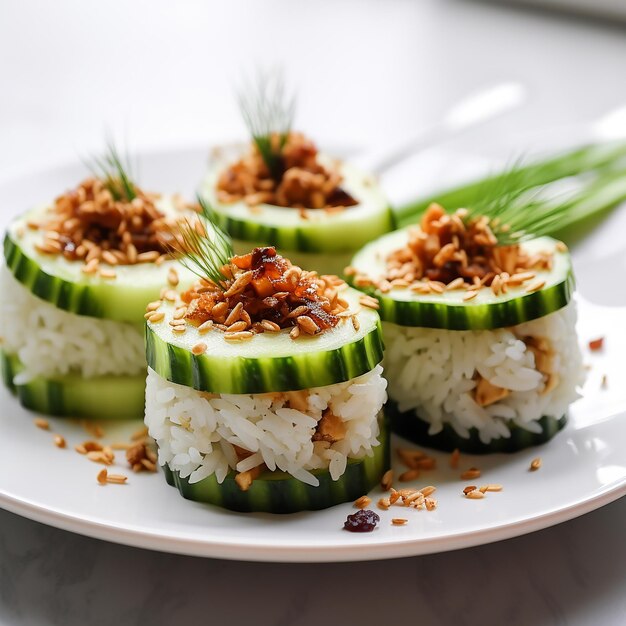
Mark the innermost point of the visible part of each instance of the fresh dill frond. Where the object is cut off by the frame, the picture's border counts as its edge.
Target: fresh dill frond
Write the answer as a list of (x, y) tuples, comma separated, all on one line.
[(114, 171), (202, 246), (268, 111), (515, 208)]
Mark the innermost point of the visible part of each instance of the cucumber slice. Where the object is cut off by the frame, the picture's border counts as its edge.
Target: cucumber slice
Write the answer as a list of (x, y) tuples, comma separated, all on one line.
[(269, 361), (307, 230), (278, 492), (448, 310), (61, 282), (411, 427), (104, 397)]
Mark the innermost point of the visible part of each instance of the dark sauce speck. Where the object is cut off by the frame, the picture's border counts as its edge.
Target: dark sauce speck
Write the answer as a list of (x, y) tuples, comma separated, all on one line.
[(363, 521)]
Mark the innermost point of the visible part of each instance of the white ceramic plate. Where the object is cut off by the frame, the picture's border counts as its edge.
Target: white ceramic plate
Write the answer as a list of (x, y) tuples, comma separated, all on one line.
[(584, 467)]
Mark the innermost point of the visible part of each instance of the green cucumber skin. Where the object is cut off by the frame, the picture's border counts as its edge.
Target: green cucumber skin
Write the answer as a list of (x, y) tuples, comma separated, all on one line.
[(295, 239), (61, 293), (106, 398), (474, 317), (411, 427), (264, 375), (276, 492)]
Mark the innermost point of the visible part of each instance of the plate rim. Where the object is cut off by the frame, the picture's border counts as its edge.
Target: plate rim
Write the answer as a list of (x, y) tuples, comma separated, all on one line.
[(180, 543)]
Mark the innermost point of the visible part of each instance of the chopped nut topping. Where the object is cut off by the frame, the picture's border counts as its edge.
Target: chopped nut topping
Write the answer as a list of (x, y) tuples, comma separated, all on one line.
[(141, 457), (330, 428), (452, 251), (265, 293), (88, 224), (486, 393), (303, 182)]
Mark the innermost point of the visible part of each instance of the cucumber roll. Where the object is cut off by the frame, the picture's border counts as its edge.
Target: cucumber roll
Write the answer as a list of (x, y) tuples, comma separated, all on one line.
[(77, 276), (265, 389), (479, 324), (280, 191)]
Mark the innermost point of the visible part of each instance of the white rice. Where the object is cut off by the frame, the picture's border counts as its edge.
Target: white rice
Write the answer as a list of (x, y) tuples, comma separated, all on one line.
[(51, 342), (431, 371), (196, 432)]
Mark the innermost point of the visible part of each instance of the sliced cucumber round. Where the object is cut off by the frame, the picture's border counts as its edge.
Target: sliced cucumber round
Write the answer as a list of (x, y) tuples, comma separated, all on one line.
[(104, 397), (63, 283), (278, 492), (448, 310), (306, 230), (411, 427), (269, 361)]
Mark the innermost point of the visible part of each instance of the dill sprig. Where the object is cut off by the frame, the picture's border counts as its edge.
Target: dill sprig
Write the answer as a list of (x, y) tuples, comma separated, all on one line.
[(115, 173), (514, 207), (268, 112), (202, 246)]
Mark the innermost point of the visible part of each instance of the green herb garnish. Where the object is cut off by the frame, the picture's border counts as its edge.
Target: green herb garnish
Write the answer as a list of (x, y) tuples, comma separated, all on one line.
[(202, 246), (115, 173), (268, 112)]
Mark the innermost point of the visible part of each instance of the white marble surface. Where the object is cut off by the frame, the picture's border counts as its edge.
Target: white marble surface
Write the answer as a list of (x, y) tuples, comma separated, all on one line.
[(161, 72)]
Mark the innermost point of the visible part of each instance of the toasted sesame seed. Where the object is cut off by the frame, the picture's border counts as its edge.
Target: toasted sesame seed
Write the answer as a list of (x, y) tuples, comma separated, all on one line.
[(294, 333), (470, 474), (42, 423), (239, 336), (199, 348), (116, 479), (156, 317), (237, 326), (535, 464), (234, 315), (491, 487), (270, 326), (475, 495), (399, 521), (110, 274), (180, 312), (363, 502), (148, 257), (369, 302), (536, 286), (387, 480), (109, 257), (469, 295), (172, 277), (153, 306), (383, 504), (561, 247), (102, 476), (170, 295), (149, 465), (120, 445), (457, 283), (307, 325), (205, 327), (355, 323), (431, 504), (469, 488), (59, 441), (426, 491), (409, 475)]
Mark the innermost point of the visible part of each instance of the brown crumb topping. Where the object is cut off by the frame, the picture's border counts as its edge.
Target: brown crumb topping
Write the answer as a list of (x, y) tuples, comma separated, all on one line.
[(456, 251), (264, 293), (303, 182), (89, 225)]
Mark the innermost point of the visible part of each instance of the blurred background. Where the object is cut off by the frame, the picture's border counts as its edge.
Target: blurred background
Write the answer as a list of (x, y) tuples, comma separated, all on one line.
[(367, 72)]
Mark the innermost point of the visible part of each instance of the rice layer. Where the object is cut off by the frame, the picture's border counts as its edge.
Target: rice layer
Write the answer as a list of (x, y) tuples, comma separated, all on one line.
[(197, 432), (434, 373), (51, 342)]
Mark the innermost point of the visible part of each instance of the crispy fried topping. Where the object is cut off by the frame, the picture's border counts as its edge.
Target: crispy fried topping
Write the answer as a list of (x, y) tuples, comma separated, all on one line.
[(456, 251), (303, 182), (265, 293), (88, 224)]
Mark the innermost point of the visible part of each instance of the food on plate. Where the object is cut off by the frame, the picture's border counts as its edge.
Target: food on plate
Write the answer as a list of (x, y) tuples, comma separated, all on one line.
[(79, 272), (479, 326), (264, 388), (281, 191)]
